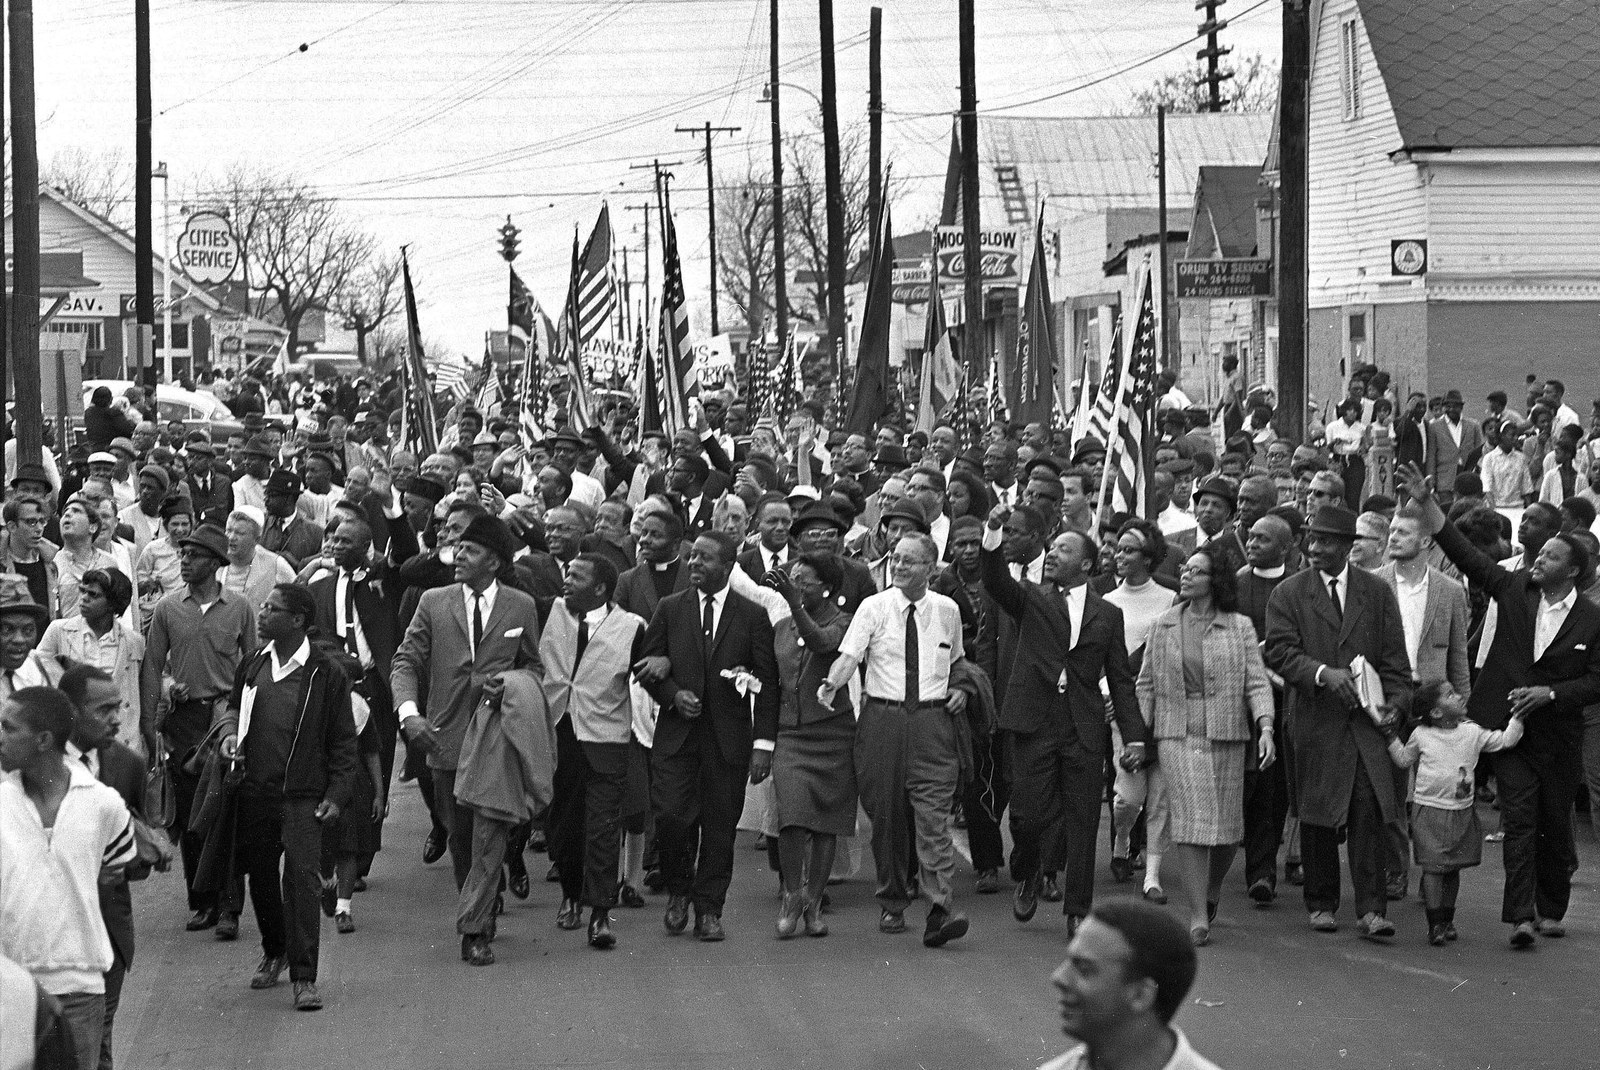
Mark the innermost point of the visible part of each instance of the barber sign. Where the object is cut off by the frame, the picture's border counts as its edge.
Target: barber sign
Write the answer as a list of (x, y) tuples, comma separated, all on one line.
[(208, 252)]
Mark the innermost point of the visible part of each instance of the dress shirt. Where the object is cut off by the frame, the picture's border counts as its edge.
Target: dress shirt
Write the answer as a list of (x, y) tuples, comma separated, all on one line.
[(1413, 598), (488, 597), (1006, 496), (1551, 616), (940, 530), (282, 669), (1077, 601), (1033, 571), (341, 598), (1273, 573), (771, 559), (719, 601), (1505, 478), (89, 759), (201, 646), (1344, 439), (118, 653), (877, 637), (1343, 596)]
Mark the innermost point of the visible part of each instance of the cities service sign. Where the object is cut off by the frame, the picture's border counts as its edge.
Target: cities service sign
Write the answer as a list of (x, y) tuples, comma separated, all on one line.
[(207, 250)]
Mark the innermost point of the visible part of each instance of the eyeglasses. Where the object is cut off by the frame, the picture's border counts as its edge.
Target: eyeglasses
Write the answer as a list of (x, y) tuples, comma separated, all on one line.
[(1191, 570)]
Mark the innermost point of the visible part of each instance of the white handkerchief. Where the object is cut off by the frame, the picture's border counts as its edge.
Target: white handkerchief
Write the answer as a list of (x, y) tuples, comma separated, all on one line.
[(514, 633)]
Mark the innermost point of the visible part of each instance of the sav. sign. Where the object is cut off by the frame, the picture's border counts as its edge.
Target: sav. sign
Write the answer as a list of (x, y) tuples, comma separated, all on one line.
[(207, 250)]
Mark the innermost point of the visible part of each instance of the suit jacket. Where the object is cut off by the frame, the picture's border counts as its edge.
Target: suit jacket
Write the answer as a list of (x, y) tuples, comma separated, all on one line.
[(1228, 542), (858, 584), (743, 638), (1304, 632), (377, 600), (1445, 459), (122, 770), (1442, 652), (1033, 665), (636, 589), (296, 543), (753, 561), (1570, 666), (436, 658), (1410, 441), (215, 504)]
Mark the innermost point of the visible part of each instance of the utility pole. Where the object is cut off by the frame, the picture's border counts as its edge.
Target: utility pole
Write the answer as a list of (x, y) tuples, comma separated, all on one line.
[(144, 286), (166, 273), (711, 203), (875, 119), (1292, 281), (1162, 319), (1213, 53), (835, 198), (626, 309), (974, 353), (780, 281), (24, 319)]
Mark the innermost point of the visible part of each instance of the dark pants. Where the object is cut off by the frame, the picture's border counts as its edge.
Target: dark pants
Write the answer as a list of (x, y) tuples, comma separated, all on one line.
[(584, 825), (696, 792), (1266, 805), (114, 978), (985, 801), (417, 762), (286, 906), (375, 689), (85, 1016), (1056, 791), (1363, 836), (457, 822), (1538, 782), (184, 787)]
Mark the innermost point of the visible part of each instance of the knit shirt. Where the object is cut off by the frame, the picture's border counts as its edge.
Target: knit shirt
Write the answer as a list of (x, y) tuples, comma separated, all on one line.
[(1140, 607)]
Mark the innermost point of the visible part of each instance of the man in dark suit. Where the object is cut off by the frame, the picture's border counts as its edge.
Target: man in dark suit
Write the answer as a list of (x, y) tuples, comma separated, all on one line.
[(660, 570), (286, 533), (693, 498), (1067, 639), (1544, 664), (1411, 432), (210, 490), (1318, 622), (774, 517), (704, 748), (1454, 446), (1215, 501), (97, 703)]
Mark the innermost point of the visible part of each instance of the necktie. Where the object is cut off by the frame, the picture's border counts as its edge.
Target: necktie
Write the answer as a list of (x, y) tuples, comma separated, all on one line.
[(583, 639), (1333, 593), (913, 658), (708, 625), (477, 623)]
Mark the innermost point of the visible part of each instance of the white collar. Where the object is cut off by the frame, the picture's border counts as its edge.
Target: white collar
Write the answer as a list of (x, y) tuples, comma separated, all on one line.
[(298, 659), (719, 596), (1562, 604), (1269, 573), (87, 758), (1343, 577), (488, 592)]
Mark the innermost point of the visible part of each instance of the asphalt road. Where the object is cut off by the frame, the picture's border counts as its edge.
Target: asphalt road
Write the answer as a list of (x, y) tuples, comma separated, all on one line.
[(1271, 994)]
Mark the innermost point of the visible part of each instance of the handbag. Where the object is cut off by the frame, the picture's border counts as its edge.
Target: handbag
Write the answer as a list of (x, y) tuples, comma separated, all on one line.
[(160, 802)]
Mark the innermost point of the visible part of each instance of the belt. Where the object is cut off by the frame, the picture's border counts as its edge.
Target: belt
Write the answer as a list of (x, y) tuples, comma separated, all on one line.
[(1194, 694), (930, 704)]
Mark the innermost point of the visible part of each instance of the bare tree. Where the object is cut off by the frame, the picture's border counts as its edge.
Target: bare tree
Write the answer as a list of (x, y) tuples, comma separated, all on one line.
[(1253, 87), (371, 298), (101, 182), (744, 246)]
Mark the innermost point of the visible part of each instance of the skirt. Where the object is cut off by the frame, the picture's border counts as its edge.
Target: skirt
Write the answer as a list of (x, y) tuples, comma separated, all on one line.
[(1201, 783), (354, 833), (814, 776), (1444, 841)]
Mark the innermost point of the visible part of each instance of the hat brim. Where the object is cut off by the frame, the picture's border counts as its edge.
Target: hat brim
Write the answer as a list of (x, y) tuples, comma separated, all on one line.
[(40, 615), (1337, 533)]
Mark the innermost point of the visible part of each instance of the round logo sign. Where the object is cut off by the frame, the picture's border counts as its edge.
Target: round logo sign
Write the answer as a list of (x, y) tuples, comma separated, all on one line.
[(207, 250), (1409, 257)]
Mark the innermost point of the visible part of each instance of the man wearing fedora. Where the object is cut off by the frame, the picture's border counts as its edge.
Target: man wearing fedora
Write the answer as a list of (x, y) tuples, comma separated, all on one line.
[(255, 458), (1215, 501), (461, 640), (209, 489), (1454, 446), (1319, 622), (293, 537), (22, 622), (198, 636)]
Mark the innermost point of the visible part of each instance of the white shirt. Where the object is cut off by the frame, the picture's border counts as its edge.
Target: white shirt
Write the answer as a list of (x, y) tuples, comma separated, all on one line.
[(1343, 590), (282, 669), (1077, 599), (1033, 571), (771, 559), (341, 596), (719, 601), (1184, 1057), (1551, 616), (1413, 598), (940, 530), (1006, 496), (89, 759), (488, 596), (877, 638)]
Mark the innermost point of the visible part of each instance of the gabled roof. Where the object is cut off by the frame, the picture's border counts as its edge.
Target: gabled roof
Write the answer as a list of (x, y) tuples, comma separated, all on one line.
[(1489, 73), (1225, 212)]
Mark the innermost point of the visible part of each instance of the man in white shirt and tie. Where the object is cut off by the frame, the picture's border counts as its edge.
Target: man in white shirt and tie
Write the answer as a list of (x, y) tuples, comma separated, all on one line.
[(774, 517), (1000, 471)]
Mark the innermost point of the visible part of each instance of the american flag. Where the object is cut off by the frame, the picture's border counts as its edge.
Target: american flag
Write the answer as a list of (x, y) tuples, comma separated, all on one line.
[(1129, 479), (489, 396), (451, 376), (597, 287), (1102, 415), (679, 377), (531, 327), (758, 370), (417, 429), (570, 340)]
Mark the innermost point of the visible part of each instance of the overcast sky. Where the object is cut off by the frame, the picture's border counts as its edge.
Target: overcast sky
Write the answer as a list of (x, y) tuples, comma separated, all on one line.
[(434, 119)]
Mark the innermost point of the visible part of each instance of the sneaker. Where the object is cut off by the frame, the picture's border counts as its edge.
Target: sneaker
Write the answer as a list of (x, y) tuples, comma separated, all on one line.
[(1374, 926), (269, 971), (306, 997), (892, 921), (1323, 921)]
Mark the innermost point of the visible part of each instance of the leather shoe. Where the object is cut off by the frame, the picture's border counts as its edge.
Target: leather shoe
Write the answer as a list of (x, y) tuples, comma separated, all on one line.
[(629, 897), (1051, 891), (518, 879), (600, 935), (344, 922), (891, 922), (1155, 895), (1262, 893), (1374, 926), (1550, 927), (1121, 869), (676, 918), (1025, 900), (1294, 873), (227, 927), (568, 917), (433, 847), (201, 919), (1323, 921), (479, 953), (1522, 935), (306, 997), (654, 880), (1211, 913), (988, 882), (1436, 936), (1200, 936), (943, 927), (1395, 890), (708, 928), (1073, 921), (268, 972)]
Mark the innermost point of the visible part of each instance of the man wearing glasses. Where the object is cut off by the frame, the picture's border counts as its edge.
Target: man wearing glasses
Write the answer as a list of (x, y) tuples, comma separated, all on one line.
[(26, 551)]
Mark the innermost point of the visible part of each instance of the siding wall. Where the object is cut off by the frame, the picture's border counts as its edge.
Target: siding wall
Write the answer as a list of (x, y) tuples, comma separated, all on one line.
[(1538, 223)]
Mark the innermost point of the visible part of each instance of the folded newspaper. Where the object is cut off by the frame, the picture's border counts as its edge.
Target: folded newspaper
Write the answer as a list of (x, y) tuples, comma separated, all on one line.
[(1368, 686)]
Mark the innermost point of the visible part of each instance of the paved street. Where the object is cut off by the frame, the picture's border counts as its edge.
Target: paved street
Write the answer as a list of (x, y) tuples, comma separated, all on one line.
[(1271, 994)]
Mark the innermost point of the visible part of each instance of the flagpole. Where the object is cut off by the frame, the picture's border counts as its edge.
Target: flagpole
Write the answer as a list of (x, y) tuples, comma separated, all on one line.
[(1119, 416)]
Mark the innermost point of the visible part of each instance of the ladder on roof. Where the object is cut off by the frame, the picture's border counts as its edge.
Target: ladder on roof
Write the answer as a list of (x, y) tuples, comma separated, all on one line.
[(1012, 197)]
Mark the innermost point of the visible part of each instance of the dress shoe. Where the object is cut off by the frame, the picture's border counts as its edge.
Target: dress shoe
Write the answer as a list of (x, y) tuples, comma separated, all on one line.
[(676, 918), (1200, 935), (1374, 926), (227, 927), (344, 922), (433, 847), (553, 874), (360, 885), (1121, 869), (1450, 931), (517, 878), (892, 921), (1050, 891), (466, 948), (600, 935), (306, 997), (1323, 921), (479, 953), (988, 882), (708, 928), (629, 897), (269, 971), (1550, 927), (1522, 935), (330, 898), (1262, 893), (943, 927), (1073, 921), (794, 905), (1025, 900), (812, 917), (1155, 895), (654, 880), (1436, 936), (568, 917), (1294, 873), (1395, 890), (201, 919)]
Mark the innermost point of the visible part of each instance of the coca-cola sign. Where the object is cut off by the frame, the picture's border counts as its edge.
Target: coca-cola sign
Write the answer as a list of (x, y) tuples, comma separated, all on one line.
[(1002, 256)]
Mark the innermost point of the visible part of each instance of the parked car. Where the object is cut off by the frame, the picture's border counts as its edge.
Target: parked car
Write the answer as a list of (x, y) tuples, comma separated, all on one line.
[(195, 409)]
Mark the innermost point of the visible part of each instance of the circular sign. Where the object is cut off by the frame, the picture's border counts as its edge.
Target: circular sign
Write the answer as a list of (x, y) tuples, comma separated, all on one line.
[(207, 250), (1409, 256)]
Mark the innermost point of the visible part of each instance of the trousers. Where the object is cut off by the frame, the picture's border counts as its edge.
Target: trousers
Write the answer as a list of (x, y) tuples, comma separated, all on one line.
[(1266, 805), (286, 905), (584, 827), (114, 978), (84, 1014), (1364, 838), (696, 794), (1057, 783), (906, 771), (1538, 780), (985, 801)]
